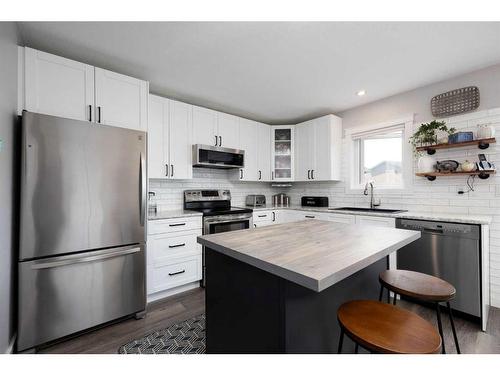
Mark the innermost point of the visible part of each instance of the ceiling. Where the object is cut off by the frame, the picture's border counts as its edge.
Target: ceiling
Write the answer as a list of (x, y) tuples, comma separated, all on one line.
[(275, 72)]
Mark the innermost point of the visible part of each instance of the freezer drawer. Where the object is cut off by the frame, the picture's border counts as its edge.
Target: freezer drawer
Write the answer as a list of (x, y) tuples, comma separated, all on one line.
[(62, 295)]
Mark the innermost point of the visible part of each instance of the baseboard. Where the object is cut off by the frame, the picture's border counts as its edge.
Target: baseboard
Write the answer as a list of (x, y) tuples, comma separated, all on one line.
[(12, 342), (170, 292)]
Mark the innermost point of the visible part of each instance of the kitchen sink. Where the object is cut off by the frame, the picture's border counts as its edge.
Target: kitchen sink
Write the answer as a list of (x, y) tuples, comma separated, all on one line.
[(361, 209)]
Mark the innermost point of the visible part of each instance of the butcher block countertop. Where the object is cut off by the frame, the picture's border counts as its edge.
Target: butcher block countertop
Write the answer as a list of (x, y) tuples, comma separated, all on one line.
[(313, 253)]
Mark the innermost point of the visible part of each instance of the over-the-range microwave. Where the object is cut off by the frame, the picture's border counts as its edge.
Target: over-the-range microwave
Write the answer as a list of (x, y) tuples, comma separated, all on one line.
[(217, 157)]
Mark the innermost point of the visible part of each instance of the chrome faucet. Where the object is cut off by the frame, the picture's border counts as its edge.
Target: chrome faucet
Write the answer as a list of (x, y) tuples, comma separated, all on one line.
[(372, 200)]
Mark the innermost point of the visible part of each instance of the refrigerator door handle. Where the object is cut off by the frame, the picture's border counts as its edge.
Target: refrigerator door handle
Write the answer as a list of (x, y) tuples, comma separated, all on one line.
[(142, 190), (63, 261)]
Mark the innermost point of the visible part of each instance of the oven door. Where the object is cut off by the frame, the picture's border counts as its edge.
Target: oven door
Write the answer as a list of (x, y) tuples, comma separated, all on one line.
[(224, 223)]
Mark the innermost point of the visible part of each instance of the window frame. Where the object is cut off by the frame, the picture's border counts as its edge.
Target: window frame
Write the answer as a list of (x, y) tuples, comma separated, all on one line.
[(352, 136)]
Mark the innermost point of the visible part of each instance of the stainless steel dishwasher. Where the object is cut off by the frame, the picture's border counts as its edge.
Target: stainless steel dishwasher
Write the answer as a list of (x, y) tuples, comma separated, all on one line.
[(450, 251)]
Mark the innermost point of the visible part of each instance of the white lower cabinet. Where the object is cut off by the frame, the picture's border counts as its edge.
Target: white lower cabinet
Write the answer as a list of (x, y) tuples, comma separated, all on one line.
[(173, 255), (340, 218), (264, 218)]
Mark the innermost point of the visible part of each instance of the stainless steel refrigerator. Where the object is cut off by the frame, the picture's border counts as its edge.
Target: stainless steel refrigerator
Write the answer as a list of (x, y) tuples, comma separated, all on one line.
[(82, 233)]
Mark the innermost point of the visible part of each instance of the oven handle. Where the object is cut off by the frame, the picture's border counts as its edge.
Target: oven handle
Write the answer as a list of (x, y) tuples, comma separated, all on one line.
[(227, 221)]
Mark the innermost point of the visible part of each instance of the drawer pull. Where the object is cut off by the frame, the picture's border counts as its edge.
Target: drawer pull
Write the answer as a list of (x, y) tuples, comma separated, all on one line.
[(310, 216), (176, 273), (262, 215), (179, 245), (177, 225)]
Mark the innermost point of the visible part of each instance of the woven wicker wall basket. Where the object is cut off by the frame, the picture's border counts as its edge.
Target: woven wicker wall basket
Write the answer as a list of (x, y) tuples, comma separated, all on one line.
[(455, 102)]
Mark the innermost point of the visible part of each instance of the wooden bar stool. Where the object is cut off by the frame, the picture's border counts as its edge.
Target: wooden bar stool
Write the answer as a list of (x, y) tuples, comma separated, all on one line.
[(422, 287), (383, 328)]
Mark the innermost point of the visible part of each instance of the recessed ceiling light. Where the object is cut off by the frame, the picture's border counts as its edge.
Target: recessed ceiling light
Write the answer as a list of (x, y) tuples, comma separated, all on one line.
[(361, 93)]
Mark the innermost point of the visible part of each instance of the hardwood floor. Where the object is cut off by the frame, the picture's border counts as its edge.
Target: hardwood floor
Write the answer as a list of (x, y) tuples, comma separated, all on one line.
[(175, 309)]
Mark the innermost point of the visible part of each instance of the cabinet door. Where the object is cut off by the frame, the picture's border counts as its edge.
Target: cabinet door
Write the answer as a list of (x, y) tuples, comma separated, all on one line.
[(121, 100), (248, 142), (263, 152), (180, 140), (57, 86), (204, 126), (228, 130), (327, 146), (282, 153), (304, 148), (157, 137)]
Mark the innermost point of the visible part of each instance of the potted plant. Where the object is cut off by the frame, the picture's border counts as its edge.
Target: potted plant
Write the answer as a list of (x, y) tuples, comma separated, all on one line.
[(426, 135)]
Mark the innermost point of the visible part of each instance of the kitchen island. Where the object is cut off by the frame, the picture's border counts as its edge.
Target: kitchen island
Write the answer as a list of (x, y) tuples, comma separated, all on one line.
[(277, 289)]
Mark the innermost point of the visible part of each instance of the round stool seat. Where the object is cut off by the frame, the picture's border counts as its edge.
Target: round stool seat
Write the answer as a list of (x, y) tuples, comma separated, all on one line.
[(417, 285), (384, 328)]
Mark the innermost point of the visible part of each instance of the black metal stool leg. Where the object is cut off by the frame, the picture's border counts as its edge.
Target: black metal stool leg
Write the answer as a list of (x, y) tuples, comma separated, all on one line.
[(395, 297), (381, 293), (453, 327), (341, 340), (356, 348), (388, 296), (438, 312)]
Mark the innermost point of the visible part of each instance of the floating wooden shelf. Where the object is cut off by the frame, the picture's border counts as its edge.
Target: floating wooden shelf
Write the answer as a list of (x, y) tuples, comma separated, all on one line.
[(432, 175), (481, 143)]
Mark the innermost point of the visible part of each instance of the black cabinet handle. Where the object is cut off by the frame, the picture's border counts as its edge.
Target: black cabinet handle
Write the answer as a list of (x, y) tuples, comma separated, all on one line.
[(171, 170), (90, 112), (220, 140), (166, 170), (241, 174), (216, 140), (261, 215), (310, 217), (260, 175), (179, 245), (99, 114), (176, 273), (255, 225), (176, 225), (308, 174), (274, 216), (312, 174), (272, 175)]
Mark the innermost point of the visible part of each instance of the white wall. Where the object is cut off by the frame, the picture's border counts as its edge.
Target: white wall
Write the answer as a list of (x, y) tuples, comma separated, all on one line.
[(8, 104)]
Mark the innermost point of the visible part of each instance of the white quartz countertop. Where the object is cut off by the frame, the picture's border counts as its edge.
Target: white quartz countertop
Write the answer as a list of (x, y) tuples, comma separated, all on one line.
[(449, 217), (171, 214), (313, 253)]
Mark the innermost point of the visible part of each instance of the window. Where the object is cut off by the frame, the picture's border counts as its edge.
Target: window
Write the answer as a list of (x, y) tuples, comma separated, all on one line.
[(379, 154)]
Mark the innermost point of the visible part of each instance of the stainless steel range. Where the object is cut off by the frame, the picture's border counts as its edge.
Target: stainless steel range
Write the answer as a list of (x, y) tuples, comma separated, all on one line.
[(218, 215)]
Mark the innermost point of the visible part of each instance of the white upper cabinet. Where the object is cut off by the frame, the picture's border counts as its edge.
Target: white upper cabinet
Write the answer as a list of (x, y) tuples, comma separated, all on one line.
[(318, 148), (120, 100), (169, 139), (248, 132), (263, 152), (180, 140), (158, 137), (282, 153), (228, 130), (57, 86), (205, 126)]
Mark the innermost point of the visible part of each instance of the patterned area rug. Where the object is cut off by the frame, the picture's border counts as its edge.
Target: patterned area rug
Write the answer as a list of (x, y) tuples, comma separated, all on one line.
[(187, 337)]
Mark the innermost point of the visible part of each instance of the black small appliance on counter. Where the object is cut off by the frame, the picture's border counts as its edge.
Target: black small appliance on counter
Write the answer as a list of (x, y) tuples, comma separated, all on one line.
[(314, 201)]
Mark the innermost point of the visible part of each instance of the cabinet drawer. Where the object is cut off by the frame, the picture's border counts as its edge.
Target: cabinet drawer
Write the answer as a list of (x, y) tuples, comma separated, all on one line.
[(262, 216), (340, 218), (313, 215), (174, 225), (376, 221), (161, 247), (178, 271)]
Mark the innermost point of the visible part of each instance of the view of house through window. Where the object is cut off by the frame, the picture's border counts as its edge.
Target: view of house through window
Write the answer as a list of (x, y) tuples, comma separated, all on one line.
[(381, 158)]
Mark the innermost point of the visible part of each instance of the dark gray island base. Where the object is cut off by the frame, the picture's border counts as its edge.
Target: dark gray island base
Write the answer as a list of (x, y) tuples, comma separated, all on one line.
[(277, 289), (252, 311)]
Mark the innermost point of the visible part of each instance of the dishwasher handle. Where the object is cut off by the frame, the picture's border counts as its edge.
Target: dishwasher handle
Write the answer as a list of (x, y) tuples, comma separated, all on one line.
[(430, 230)]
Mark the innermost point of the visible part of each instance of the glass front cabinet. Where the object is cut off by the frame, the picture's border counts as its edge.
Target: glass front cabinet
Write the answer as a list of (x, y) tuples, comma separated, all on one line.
[(282, 153)]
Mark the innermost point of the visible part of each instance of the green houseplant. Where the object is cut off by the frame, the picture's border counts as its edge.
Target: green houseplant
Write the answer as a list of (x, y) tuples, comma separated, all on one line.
[(426, 133)]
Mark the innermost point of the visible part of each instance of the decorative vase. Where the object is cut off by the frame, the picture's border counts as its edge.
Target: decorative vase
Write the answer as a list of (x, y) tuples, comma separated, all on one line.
[(426, 164), (485, 131)]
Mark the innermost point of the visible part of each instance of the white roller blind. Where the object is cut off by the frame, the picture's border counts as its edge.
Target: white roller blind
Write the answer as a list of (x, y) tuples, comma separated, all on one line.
[(394, 130)]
